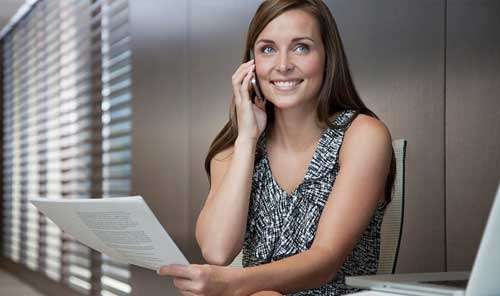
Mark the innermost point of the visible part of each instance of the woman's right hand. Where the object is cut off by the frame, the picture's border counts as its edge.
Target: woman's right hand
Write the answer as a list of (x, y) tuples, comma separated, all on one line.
[(252, 117)]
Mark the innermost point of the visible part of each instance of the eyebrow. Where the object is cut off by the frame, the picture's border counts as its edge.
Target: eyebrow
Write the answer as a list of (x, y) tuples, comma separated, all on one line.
[(293, 40)]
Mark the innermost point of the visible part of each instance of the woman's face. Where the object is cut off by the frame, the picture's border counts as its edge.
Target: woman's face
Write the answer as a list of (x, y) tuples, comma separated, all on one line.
[(290, 59)]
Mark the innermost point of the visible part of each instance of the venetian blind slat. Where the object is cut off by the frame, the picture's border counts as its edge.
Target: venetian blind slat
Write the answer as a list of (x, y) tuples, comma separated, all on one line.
[(67, 123), (116, 127)]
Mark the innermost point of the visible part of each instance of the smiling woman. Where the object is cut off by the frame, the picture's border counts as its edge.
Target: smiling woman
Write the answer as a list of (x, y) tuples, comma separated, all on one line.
[(293, 43), (300, 178)]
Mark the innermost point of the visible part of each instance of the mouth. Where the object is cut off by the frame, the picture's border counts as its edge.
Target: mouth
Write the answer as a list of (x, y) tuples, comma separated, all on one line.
[(285, 85)]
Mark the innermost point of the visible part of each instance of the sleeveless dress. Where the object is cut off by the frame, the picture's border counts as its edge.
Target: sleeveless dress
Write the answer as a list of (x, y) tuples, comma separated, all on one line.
[(281, 224)]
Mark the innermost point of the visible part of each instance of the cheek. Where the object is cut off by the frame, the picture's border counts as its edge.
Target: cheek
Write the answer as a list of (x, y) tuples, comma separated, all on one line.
[(313, 67), (262, 68)]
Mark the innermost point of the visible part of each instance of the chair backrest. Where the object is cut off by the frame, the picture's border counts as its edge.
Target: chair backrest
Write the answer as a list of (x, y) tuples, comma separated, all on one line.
[(392, 225), (238, 260)]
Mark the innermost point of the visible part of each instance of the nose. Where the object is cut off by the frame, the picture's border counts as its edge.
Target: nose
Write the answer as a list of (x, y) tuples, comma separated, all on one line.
[(284, 64)]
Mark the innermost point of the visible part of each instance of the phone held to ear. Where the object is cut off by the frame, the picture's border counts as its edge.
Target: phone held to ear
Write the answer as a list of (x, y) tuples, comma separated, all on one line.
[(255, 83)]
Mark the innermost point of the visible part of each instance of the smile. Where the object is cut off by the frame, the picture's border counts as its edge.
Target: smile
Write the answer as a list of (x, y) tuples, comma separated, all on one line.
[(286, 85)]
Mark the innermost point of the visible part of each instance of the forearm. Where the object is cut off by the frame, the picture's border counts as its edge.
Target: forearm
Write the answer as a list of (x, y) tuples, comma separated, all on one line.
[(309, 269), (221, 225)]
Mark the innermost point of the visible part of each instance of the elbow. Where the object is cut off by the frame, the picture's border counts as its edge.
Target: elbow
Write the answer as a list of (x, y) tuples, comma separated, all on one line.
[(216, 257), (217, 250), (214, 254)]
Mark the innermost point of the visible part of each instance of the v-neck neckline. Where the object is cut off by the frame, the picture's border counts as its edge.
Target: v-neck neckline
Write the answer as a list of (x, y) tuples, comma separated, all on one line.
[(307, 172)]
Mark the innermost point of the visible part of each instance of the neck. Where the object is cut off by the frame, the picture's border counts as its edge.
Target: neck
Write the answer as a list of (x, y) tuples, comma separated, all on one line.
[(295, 130)]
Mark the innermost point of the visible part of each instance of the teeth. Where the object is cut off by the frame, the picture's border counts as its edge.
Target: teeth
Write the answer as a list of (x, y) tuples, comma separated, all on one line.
[(286, 84)]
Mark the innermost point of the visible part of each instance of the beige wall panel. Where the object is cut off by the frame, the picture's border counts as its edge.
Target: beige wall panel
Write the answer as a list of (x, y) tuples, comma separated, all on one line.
[(160, 160), (472, 124), (396, 52), (216, 50)]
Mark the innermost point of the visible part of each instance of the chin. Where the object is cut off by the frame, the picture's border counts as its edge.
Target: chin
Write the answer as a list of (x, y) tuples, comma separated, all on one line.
[(286, 102)]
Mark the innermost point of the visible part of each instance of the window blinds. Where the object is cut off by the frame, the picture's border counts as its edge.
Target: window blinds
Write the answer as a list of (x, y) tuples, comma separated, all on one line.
[(66, 132)]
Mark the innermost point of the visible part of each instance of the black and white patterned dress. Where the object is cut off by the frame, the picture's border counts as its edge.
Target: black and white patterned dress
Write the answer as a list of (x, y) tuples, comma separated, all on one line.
[(282, 224)]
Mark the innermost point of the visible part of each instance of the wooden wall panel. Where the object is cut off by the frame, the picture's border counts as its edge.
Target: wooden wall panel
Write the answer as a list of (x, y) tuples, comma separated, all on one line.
[(160, 125), (472, 124)]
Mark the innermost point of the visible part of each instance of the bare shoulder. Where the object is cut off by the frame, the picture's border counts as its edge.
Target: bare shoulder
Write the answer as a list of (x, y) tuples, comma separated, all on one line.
[(366, 135), (367, 126)]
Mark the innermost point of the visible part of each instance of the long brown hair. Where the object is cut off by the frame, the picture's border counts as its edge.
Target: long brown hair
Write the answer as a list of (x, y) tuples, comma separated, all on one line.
[(337, 92)]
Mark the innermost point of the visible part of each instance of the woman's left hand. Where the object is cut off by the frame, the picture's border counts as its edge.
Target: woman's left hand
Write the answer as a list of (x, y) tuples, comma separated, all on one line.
[(202, 280)]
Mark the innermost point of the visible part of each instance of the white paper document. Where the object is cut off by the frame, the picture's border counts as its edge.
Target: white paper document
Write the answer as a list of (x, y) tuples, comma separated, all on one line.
[(123, 228)]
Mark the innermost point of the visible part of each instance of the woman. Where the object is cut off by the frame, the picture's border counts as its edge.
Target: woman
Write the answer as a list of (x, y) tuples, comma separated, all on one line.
[(300, 179)]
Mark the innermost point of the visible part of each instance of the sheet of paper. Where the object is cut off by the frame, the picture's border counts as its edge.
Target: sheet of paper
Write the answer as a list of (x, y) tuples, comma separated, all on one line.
[(123, 228)]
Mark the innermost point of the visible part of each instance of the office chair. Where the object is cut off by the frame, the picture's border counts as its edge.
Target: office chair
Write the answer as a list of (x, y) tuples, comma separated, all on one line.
[(392, 225)]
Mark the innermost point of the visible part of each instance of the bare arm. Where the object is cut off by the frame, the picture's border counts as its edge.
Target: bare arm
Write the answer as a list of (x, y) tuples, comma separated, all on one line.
[(220, 228), (221, 224)]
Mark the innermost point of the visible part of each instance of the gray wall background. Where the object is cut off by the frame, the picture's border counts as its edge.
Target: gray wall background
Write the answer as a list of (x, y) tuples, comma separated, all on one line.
[(472, 124), (428, 68)]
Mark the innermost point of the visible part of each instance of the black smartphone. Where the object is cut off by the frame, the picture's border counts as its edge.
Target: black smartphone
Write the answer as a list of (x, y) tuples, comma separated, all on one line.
[(255, 83)]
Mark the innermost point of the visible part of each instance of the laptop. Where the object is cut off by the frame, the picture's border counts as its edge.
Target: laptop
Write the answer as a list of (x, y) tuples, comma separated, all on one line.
[(484, 280)]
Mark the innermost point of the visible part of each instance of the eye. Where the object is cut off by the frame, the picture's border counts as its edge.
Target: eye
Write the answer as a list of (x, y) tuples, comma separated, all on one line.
[(267, 49), (302, 48)]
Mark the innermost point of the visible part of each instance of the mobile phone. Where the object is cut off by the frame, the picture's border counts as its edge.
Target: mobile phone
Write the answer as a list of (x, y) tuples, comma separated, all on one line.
[(255, 83)]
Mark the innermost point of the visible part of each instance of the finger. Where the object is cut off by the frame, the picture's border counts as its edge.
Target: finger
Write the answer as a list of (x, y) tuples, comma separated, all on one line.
[(184, 284), (175, 270), (244, 89), (238, 93), (239, 75)]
